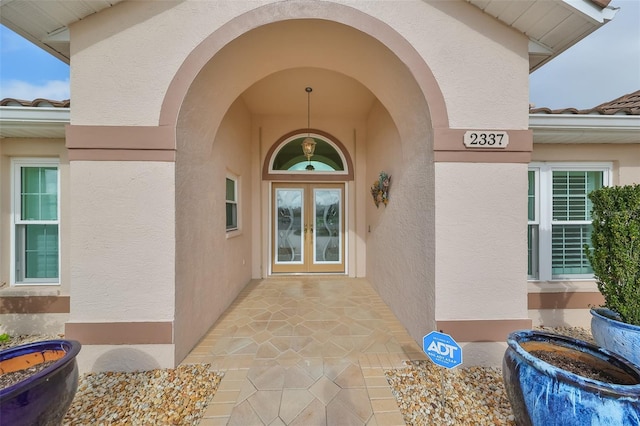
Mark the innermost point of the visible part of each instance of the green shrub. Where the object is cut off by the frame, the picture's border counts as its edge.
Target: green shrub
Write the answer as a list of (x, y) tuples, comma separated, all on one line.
[(615, 251)]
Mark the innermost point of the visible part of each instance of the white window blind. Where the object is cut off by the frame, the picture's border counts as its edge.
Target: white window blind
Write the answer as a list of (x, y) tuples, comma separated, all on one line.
[(571, 224), (560, 218), (533, 227)]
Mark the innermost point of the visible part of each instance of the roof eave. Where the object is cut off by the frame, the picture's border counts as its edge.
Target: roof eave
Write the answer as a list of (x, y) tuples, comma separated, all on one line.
[(588, 8), (566, 128), (597, 16), (41, 122)]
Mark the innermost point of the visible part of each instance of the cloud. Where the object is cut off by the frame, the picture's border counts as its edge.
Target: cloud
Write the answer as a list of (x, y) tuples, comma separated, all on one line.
[(52, 89)]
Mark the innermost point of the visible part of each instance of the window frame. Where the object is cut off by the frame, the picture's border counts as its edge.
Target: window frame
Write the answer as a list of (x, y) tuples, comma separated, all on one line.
[(316, 173), (236, 183), (535, 245), (543, 175), (17, 164)]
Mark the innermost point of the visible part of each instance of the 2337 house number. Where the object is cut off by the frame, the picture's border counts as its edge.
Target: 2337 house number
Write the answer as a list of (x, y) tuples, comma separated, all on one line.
[(485, 139)]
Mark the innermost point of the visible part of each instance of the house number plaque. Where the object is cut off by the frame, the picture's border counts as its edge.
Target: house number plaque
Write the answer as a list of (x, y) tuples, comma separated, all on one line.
[(486, 139)]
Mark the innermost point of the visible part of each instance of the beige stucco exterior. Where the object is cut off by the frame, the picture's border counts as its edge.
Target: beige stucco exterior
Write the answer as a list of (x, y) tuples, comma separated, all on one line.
[(155, 131), (425, 28), (473, 267), (625, 157)]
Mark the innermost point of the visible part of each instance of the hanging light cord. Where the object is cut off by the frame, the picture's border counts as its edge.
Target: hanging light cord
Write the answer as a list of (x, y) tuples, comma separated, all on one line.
[(308, 90)]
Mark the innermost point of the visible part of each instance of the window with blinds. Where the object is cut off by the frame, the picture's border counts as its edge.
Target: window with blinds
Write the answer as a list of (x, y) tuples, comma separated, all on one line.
[(533, 227), (571, 220), (560, 218)]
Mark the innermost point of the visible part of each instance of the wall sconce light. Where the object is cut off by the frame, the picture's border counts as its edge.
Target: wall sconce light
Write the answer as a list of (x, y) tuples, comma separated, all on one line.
[(309, 144)]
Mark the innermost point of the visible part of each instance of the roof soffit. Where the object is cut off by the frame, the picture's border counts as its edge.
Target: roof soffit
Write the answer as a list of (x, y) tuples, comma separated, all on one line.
[(46, 23), (33, 121), (551, 25), (592, 128)]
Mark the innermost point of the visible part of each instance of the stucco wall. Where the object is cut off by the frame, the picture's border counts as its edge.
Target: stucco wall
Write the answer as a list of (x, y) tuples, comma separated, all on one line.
[(400, 239), (481, 65), (212, 266), (481, 241), (122, 241), (121, 45), (625, 157)]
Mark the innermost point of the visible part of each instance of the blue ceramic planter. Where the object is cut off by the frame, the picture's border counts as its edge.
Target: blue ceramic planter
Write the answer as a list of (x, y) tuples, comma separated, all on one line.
[(614, 335), (45, 397), (544, 395)]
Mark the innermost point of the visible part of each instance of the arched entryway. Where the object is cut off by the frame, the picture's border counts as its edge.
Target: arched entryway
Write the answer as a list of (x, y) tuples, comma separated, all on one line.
[(245, 95)]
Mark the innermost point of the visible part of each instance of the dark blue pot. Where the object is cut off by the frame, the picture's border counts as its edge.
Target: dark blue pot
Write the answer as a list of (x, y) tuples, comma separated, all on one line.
[(544, 395), (45, 397), (614, 335)]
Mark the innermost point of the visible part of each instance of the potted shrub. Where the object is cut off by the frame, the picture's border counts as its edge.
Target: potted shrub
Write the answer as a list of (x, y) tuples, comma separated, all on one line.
[(42, 379), (615, 258), (557, 380)]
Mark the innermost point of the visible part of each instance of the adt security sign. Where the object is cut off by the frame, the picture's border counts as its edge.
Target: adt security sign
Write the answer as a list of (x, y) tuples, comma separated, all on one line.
[(442, 349)]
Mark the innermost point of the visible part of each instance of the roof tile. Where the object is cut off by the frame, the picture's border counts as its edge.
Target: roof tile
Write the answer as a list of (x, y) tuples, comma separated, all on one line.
[(628, 104), (40, 102)]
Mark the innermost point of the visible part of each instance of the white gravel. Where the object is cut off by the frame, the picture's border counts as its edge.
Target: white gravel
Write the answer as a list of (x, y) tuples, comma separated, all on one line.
[(426, 394), (177, 396), (431, 395), (159, 397)]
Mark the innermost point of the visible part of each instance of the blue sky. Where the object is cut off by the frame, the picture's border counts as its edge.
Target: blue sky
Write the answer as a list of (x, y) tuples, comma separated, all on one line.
[(28, 72), (602, 67)]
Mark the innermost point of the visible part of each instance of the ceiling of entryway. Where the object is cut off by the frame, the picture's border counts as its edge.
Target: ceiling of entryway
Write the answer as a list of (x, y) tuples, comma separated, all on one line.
[(283, 93)]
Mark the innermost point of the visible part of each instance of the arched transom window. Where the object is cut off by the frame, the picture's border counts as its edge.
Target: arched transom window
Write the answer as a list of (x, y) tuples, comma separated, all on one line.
[(287, 158)]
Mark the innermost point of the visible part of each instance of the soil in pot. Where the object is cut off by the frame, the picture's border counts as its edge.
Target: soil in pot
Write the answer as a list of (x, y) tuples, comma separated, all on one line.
[(14, 370), (580, 363), (10, 379)]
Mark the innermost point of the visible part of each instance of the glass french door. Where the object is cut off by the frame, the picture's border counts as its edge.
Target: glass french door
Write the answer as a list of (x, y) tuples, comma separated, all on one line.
[(308, 228)]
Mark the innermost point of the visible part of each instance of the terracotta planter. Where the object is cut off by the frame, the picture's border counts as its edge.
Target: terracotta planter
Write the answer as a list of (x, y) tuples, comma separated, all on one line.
[(543, 394), (614, 335), (44, 397)]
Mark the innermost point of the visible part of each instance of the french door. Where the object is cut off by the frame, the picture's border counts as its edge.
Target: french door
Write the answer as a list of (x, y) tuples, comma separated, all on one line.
[(307, 227)]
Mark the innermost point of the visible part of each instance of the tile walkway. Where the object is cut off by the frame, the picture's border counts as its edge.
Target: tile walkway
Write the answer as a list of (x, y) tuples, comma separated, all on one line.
[(305, 351)]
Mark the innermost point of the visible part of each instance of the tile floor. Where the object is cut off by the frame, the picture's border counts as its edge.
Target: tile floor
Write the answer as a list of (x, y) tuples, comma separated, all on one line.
[(305, 351)]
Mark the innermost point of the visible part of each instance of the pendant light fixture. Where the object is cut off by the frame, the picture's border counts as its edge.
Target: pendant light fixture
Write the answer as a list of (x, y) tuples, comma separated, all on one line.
[(309, 144)]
